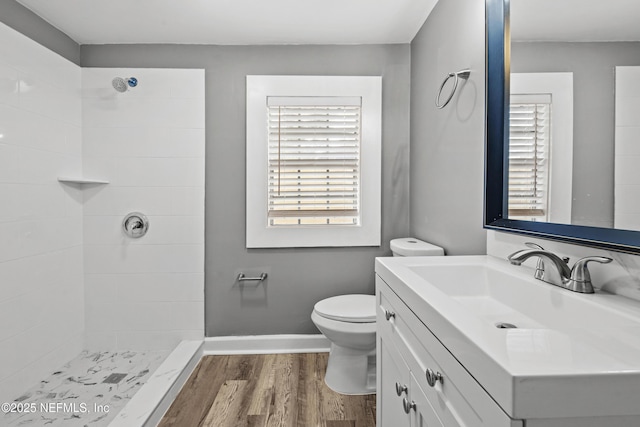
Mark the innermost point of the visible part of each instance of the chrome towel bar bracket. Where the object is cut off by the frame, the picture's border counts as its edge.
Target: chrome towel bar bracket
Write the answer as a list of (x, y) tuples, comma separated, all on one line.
[(243, 278), (462, 74)]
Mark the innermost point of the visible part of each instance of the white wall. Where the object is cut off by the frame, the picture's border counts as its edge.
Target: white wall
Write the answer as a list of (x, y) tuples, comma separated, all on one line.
[(627, 149), (41, 261), (145, 293)]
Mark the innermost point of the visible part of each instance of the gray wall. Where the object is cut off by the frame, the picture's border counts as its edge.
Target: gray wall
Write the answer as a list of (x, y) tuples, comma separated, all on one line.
[(31, 25), (447, 146), (297, 277), (593, 70)]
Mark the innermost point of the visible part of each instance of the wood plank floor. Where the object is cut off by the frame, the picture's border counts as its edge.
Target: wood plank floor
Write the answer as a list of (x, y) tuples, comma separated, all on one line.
[(271, 390)]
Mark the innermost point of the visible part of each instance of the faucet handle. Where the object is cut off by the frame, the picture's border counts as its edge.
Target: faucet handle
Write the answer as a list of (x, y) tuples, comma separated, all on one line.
[(580, 277)]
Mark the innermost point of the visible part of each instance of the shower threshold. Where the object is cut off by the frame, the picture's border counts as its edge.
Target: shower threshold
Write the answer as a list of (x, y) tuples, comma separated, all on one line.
[(107, 388)]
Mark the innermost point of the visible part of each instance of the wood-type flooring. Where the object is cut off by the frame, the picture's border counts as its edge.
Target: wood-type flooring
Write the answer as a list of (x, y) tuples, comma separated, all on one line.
[(270, 390)]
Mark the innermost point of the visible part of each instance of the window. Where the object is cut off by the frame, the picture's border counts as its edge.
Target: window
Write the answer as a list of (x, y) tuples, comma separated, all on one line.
[(529, 142), (313, 161), (554, 145)]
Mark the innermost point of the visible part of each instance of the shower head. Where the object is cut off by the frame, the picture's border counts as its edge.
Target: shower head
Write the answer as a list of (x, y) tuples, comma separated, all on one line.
[(119, 84), (122, 85)]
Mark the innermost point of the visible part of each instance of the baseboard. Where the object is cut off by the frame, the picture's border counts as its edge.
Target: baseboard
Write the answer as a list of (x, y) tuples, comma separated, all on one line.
[(266, 344)]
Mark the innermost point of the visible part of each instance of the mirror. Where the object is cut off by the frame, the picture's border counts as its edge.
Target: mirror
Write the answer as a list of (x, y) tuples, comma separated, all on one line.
[(561, 161)]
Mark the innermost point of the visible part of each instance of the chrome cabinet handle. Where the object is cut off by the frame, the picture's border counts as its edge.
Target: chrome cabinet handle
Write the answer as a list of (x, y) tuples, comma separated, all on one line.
[(408, 406), (434, 377), (389, 314), (401, 389)]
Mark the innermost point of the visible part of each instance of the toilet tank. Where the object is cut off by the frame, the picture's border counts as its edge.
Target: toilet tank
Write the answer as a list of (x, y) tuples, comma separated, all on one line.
[(409, 246)]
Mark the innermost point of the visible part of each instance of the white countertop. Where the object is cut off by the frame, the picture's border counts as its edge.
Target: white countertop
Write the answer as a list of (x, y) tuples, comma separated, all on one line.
[(572, 354)]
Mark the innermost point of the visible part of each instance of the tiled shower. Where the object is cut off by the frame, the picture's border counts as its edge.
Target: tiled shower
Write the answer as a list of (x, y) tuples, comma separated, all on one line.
[(72, 280)]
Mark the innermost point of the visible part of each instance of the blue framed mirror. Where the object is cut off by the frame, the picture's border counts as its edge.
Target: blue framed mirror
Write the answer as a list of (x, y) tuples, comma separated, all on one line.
[(573, 225)]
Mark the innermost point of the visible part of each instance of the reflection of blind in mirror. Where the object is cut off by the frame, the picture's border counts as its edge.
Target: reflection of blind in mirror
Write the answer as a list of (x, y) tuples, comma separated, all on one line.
[(529, 148), (314, 161)]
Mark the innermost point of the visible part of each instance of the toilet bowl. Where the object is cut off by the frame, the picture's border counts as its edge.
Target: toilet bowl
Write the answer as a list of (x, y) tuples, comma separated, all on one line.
[(349, 323)]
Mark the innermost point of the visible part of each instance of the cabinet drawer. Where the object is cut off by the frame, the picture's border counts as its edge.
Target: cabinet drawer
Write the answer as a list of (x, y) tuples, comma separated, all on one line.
[(457, 399), (423, 414)]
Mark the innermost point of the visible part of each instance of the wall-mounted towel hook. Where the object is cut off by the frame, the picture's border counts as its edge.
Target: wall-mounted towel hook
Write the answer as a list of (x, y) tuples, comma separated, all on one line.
[(462, 74)]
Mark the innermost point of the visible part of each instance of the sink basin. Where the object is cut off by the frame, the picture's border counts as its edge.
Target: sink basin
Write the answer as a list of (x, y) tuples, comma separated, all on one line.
[(567, 354), (503, 293)]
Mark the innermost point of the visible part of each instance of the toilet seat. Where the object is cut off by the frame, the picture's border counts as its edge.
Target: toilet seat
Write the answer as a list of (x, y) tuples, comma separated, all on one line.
[(348, 308)]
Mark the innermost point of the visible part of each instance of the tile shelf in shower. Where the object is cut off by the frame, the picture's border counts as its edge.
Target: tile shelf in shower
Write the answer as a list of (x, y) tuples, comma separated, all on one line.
[(80, 180)]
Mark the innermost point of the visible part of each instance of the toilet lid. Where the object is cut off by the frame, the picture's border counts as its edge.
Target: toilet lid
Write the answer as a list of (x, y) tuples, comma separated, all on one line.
[(348, 308)]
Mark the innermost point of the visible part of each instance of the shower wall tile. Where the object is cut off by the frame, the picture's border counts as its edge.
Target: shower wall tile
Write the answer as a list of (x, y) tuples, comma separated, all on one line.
[(9, 162), (9, 84), (167, 230), (135, 258), (156, 340), (112, 200), (176, 143), (145, 293), (105, 143), (41, 257)]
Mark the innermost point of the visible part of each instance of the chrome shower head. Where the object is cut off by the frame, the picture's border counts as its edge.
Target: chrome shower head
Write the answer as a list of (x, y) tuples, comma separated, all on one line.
[(119, 84), (122, 85)]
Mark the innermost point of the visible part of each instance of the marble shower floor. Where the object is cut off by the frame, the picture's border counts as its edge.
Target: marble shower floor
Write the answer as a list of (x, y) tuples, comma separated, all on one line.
[(88, 391)]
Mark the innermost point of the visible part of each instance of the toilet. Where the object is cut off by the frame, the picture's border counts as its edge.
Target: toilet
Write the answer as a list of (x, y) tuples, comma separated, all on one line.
[(349, 323)]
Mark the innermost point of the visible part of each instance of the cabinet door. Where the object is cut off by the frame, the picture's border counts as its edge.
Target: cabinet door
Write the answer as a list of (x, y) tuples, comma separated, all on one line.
[(392, 373), (422, 413)]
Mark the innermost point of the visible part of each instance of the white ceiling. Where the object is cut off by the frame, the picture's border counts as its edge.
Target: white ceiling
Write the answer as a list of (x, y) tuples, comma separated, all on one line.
[(235, 22), (575, 20)]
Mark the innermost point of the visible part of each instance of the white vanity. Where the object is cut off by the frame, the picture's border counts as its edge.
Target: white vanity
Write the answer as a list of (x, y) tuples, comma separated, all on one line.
[(448, 356)]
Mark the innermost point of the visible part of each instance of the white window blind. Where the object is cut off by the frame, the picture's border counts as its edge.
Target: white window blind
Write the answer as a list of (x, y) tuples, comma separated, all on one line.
[(313, 161), (529, 142)]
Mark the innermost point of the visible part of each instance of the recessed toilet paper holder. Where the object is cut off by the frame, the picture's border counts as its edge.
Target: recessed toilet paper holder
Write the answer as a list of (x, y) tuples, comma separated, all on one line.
[(135, 225)]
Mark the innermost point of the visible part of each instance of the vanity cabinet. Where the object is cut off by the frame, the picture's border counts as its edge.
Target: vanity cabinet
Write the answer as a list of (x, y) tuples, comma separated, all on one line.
[(420, 383)]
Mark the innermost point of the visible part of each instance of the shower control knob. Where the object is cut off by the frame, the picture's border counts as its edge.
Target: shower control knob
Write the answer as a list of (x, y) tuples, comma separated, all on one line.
[(135, 225), (389, 314)]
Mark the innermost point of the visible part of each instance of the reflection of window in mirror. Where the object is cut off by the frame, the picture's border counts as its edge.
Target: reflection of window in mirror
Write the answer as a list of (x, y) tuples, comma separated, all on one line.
[(627, 148), (529, 142), (541, 147)]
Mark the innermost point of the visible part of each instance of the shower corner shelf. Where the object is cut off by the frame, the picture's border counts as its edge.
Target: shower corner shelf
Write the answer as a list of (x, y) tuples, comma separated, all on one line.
[(81, 180)]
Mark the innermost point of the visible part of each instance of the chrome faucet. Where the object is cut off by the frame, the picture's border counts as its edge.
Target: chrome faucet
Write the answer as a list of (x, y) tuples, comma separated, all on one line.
[(578, 279), (539, 273)]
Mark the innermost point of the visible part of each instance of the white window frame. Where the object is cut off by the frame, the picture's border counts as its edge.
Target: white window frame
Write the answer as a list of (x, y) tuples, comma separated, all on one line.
[(538, 137), (367, 232), (560, 86)]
